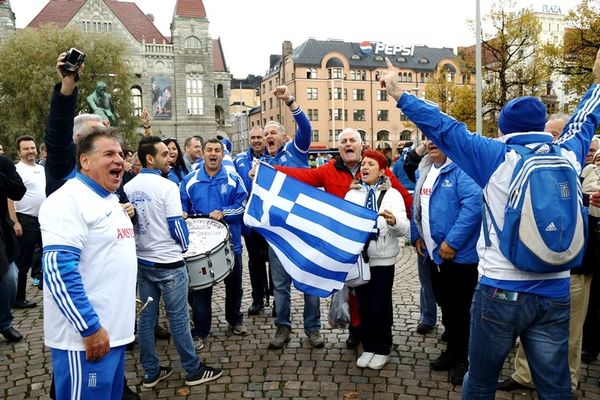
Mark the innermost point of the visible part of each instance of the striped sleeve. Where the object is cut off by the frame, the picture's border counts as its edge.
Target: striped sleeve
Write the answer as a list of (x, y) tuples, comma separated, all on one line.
[(179, 232), (62, 279), (237, 204)]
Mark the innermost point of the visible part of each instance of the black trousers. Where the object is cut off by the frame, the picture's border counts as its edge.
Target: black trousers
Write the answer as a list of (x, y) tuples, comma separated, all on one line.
[(28, 242), (376, 310), (453, 287), (591, 326), (258, 248)]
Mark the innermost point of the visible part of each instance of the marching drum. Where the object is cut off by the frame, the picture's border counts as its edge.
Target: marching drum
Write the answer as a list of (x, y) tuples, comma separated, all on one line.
[(209, 257)]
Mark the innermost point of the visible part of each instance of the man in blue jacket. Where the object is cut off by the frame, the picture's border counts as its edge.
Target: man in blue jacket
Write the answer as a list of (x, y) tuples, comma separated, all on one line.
[(256, 245), (444, 230), (293, 153), (510, 302), (213, 191)]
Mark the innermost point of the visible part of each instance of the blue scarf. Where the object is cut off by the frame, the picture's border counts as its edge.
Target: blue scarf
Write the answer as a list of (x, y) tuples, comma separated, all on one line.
[(371, 199)]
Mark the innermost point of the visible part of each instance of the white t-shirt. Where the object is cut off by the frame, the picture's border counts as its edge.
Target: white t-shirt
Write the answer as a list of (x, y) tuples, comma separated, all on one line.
[(155, 199), (34, 179), (425, 197), (79, 217)]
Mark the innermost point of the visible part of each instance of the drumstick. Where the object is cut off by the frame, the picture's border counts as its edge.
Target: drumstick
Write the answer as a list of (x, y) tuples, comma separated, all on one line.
[(148, 301)]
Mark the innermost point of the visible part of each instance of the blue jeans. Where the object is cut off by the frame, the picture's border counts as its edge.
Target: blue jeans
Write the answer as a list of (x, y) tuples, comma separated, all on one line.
[(281, 289), (8, 291), (172, 284), (426, 298), (543, 325), (201, 301)]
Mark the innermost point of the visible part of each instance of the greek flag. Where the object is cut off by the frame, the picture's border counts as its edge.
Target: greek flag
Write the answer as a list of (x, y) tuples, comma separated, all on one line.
[(316, 236)]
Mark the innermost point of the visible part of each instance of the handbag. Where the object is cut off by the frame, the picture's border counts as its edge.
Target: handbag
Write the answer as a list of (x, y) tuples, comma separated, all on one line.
[(360, 272)]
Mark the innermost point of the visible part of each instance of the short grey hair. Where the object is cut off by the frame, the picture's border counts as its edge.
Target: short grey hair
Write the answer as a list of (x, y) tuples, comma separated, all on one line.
[(354, 132), (559, 115), (79, 123), (278, 124)]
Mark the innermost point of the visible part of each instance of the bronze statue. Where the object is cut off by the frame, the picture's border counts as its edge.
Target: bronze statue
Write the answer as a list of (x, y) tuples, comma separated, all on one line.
[(100, 103)]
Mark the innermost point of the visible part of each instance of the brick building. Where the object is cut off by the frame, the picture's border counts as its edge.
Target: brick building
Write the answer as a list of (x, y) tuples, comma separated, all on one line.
[(183, 79)]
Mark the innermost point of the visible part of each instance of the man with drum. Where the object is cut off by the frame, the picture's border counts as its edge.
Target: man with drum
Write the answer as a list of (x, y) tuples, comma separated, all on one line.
[(161, 236), (214, 192)]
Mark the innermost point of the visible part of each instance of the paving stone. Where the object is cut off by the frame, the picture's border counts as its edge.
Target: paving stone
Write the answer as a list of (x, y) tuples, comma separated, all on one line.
[(297, 371)]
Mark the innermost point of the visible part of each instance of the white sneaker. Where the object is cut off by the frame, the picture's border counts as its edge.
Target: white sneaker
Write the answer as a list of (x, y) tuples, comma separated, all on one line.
[(378, 361), (364, 359)]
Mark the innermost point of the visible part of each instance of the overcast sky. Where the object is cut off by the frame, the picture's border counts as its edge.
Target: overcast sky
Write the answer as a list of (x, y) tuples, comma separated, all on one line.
[(250, 31)]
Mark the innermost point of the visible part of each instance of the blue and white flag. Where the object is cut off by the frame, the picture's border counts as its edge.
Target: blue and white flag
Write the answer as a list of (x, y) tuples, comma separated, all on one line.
[(316, 236)]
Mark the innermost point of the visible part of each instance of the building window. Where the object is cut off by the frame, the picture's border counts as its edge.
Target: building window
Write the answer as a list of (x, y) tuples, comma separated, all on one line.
[(264, 105), (192, 42), (270, 103), (335, 93), (194, 95), (409, 77), (312, 93), (363, 135), (405, 135), (403, 117), (383, 136), (219, 91), (381, 95), (358, 75), (270, 85), (337, 134), (315, 135), (311, 73), (136, 100), (264, 87), (313, 114), (358, 94), (337, 114), (359, 115), (382, 115), (335, 73)]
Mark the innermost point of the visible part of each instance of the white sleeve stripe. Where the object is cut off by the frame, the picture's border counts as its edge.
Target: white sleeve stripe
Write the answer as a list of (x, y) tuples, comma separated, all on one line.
[(237, 211), (179, 232), (60, 294)]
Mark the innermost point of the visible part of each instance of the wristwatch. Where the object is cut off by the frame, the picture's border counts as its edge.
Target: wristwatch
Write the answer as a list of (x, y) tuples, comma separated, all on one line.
[(292, 100)]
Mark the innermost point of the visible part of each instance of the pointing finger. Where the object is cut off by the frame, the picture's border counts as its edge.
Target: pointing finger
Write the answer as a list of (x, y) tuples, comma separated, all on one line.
[(389, 63)]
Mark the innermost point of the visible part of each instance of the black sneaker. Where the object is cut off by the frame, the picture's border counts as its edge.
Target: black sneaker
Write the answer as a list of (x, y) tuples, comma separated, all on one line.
[(151, 381), (204, 374), (444, 362), (457, 373), (256, 308)]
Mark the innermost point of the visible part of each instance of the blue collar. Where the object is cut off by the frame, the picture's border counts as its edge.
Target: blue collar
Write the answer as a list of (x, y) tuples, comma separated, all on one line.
[(150, 171), (89, 182)]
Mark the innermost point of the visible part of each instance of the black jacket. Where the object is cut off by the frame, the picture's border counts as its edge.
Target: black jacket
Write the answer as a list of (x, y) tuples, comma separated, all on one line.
[(11, 187)]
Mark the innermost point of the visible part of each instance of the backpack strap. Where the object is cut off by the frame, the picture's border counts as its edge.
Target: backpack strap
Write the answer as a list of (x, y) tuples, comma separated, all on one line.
[(486, 233)]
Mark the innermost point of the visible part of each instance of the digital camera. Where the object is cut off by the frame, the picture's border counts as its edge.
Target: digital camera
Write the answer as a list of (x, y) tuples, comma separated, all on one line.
[(73, 60)]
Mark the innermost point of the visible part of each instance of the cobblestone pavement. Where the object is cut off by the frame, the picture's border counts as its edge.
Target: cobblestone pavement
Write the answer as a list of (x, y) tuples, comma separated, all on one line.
[(295, 372)]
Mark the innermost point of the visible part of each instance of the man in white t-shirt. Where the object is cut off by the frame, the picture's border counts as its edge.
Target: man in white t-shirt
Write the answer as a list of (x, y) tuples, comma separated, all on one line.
[(161, 239), (24, 214), (445, 227), (90, 270)]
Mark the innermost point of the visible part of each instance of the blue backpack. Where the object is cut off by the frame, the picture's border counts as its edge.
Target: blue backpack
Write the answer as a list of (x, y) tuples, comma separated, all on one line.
[(545, 222)]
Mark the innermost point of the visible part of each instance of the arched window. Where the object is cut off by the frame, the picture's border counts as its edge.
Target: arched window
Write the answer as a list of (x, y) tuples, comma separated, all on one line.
[(405, 134), (219, 116), (409, 77), (219, 91), (136, 100), (192, 42), (363, 135), (383, 135)]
